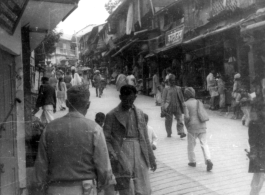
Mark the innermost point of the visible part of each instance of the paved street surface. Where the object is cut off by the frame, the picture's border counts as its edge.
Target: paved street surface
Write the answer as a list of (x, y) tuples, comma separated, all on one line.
[(227, 141)]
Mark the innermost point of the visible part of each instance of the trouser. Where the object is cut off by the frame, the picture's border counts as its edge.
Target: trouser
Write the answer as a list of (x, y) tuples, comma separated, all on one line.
[(87, 187), (101, 88), (236, 110), (169, 120), (61, 102), (222, 101), (97, 91), (257, 183), (158, 97), (192, 143), (46, 116), (214, 103), (212, 100), (246, 112), (140, 182)]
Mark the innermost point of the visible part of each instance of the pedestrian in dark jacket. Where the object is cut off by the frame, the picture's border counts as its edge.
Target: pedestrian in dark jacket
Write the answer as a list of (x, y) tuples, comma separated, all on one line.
[(173, 104), (47, 100), (256, 132), (67, 80), (257, 151), (129, 147)]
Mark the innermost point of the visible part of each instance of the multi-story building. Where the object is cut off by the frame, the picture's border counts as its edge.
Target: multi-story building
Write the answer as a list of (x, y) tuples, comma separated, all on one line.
[(65, 52), (190, 36)]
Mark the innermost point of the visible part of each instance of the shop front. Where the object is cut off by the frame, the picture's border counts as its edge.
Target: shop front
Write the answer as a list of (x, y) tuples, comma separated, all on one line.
[(219, 52), (253, 52)]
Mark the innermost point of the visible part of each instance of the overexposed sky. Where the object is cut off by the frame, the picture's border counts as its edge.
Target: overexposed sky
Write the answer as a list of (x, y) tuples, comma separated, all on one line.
[(88, 12)]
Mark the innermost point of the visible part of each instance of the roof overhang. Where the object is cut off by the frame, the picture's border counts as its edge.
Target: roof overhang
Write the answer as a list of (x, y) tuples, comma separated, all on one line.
[(166, 8), (256, 22), (43, 16), (125, 47)]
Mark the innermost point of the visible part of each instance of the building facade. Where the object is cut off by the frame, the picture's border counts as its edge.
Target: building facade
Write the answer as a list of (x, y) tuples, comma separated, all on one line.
[(65, 52), (192, 37), (23, 25)]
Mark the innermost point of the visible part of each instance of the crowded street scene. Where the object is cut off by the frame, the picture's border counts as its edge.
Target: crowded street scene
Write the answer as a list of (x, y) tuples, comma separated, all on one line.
[(132, 97)]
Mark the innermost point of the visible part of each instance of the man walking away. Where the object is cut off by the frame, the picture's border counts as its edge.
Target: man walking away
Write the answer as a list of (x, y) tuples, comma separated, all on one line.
[(72, 154), (173, 104), (128, 144), (47, 97), (121, 81), (97, 82), (196, 129), (131, 79), (67, 80)]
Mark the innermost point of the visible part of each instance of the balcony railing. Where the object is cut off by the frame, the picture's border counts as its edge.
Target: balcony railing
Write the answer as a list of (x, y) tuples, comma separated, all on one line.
[(66, 52), (218, 6)]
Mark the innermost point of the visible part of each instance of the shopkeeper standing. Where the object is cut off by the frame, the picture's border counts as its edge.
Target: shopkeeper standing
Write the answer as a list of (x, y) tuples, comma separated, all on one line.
[(212, 88)]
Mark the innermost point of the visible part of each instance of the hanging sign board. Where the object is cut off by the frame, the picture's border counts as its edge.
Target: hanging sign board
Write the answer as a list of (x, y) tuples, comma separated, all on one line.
[(10, 13), (174, 36)]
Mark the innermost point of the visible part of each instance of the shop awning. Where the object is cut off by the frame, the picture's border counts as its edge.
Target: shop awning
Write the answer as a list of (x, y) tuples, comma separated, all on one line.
[(253, 27), (255, 22), (149, 55), (166, 48), (43, 16), (125, 47), (233, 25), (111, 51)]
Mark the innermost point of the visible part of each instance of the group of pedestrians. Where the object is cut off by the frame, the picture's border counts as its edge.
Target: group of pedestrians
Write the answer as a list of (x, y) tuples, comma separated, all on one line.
[(241, 98), (99, 83), (251, 104), (53, 92), (125, 78), (173, 105), (76, 156)]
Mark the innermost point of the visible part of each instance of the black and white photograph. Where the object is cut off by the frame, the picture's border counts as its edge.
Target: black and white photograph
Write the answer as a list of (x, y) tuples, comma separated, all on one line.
[(132, 97)]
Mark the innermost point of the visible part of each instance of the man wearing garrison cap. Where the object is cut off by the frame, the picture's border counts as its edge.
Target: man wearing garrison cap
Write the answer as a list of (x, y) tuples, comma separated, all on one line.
[(73, 156), (130, 152), (173, 104)]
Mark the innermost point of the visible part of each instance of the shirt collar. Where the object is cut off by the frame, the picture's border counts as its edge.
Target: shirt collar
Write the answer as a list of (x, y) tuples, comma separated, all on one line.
[(75, 114), (121, 110)]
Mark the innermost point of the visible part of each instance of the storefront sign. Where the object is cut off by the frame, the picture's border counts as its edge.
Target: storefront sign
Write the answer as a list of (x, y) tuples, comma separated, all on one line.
[(10, 13), (32, 61), (174, 36)]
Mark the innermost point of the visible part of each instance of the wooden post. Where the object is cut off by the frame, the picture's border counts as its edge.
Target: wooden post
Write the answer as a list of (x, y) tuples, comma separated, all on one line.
[(204, 67), (27, 77)]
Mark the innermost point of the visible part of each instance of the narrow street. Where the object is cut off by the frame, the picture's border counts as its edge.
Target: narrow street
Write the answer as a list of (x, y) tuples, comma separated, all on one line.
[(227, 141)]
